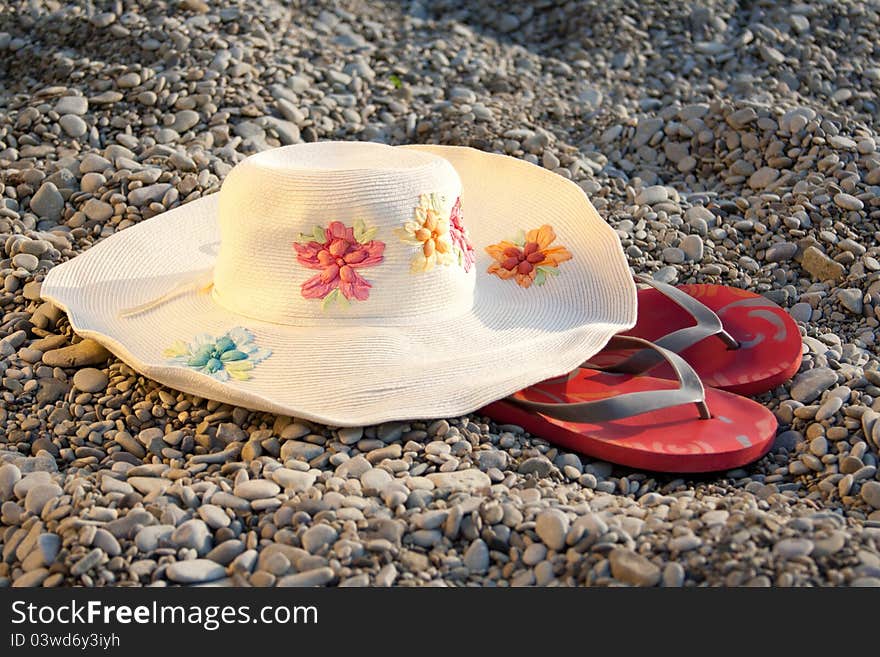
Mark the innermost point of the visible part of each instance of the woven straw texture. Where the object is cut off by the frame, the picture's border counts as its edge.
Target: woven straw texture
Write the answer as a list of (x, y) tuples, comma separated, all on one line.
[(429, 344)]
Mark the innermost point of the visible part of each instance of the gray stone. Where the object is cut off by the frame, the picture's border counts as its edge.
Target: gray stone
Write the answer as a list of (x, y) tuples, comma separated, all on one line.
[(294, 480), (763, 177), (195, 571), (465, 480), (476, 557), (148, 194), (9, 476), (47, 202), (374, 480), (73, 125), (808, 386), (89, 379), (184, 120), (651, 195), (790, 548), (97, 210), (214, 516), (801, 312), (256, 489), (537, 465), (150, 538), (149, 485), (851, 299), (193, 534), (551, 525), (832, 544), (314, 577), (38, 496), (76, 105), (631, 568), (781, 252), (692, 245), (318, 536), (295, 449), (492, 458), (848, 202), (89, 561), (871, 493)]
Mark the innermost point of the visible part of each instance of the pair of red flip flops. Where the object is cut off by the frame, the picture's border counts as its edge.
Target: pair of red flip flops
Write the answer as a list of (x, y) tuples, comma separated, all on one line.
[(666, 396)]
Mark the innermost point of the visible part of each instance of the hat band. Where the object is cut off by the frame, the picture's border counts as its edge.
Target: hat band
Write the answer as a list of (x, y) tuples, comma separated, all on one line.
[(201, 282)]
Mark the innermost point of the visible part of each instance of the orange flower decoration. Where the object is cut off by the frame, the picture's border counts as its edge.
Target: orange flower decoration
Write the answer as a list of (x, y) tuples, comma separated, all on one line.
[(529, 258)]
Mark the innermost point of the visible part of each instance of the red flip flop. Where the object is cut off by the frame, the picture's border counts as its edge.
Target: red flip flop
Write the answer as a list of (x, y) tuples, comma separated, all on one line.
[(735, 340), (643, 422)]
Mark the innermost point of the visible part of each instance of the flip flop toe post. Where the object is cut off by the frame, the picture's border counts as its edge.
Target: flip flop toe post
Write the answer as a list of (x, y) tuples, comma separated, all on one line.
[(736, 340), (643, 422)]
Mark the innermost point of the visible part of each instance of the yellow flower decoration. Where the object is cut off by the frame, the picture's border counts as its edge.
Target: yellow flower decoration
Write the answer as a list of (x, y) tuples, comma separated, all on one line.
[(429, 230)]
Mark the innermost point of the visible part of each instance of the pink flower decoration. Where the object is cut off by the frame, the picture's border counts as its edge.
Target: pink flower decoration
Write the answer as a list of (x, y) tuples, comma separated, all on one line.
[(460, 239), (340, 253)]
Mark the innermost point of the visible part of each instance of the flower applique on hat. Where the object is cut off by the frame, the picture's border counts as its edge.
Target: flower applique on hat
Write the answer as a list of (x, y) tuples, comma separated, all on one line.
[(230, 356), (429, 230), (338, 251), (461, 241), (528, 258)]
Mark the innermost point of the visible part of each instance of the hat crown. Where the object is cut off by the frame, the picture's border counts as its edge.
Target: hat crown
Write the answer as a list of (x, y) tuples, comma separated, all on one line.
[(342, 230)]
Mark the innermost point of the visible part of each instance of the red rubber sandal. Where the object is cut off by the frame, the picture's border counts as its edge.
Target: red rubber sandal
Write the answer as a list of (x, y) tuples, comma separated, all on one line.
[(643, 422), (735, 340)]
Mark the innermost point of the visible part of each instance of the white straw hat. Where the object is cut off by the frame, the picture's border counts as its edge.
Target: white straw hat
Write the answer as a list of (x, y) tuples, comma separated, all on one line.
[(356, 283)]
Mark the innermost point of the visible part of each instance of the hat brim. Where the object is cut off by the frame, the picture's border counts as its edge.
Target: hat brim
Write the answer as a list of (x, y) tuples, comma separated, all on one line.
[(354, 374)]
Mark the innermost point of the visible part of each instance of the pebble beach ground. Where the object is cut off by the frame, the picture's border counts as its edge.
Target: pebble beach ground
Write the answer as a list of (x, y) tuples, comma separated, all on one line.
[(725, 143)]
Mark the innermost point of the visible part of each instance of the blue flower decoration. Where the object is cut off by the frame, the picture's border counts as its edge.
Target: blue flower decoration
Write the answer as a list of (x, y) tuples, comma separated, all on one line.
[(232, 355)]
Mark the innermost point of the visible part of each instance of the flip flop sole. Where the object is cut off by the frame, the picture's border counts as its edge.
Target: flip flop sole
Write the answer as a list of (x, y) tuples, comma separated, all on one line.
[(770, 343), (669, 440)]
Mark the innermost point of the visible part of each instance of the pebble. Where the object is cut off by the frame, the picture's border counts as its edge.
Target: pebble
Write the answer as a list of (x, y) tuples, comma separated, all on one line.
[(781, 252), (651, 195), (476, 557), (851, 299), (38, 496), (808, 386), (47, 202), (256, 489), (791, 548), (73, 125), (315, 577), (148, 194), (632, 568), (214, 516), (820, 266), (195, 571), (76, 105), (9, 476), (374, 480), (86, 352), (294, 480), (464, 480), (871, 493), (318, 536), (848, 202), (551, 526), (97, 210), (673, 575), (90, 380)]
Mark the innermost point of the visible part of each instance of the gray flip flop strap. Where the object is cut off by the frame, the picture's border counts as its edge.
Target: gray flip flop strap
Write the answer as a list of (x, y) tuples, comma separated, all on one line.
[(708, 325), (618, 407)]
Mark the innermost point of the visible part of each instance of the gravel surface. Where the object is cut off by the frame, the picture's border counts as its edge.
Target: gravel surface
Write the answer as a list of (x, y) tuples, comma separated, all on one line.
[(725, 143)]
